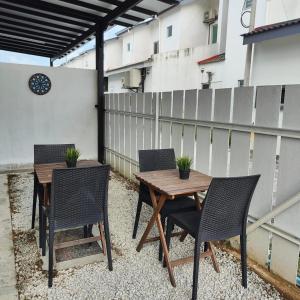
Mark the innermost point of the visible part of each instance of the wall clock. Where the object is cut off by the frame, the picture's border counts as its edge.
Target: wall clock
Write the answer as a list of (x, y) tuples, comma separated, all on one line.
[(39, 84)]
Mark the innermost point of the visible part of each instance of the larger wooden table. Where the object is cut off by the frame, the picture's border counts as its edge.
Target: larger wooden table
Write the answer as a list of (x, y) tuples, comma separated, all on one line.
[(44, 171), (170, 186)]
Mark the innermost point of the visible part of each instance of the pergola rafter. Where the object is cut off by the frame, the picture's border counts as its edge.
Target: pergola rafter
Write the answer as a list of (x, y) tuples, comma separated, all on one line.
[(54, 28), (69, 23)]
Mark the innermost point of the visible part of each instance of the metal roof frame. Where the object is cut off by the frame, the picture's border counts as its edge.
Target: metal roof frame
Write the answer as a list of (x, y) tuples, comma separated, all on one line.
[(55, 28)]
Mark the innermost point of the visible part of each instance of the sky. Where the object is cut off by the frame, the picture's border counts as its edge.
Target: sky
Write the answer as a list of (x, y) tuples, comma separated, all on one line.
[(19, 58)]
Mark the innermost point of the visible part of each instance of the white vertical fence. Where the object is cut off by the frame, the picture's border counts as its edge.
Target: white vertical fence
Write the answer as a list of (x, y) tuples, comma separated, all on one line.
[(228, 132)]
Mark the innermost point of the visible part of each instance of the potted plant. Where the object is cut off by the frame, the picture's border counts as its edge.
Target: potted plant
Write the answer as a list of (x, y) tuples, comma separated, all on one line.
[(72, 155), (184, 165)]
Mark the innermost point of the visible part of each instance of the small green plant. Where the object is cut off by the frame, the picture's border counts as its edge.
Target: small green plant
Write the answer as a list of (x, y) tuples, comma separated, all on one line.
[(184, 163), (72, 156)]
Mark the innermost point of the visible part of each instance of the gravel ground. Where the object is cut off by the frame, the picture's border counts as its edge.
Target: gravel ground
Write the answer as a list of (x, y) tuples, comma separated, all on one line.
[(135, 275)]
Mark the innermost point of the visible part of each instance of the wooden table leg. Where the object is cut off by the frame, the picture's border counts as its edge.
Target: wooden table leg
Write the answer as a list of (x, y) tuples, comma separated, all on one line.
[(103, 242), (157, 209), (213, 257), (197, 200), (45, 188), (157, 205)]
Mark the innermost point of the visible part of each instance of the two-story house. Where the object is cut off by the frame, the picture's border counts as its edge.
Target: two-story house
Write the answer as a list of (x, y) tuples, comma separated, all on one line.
[(196, 44), (276, 43)]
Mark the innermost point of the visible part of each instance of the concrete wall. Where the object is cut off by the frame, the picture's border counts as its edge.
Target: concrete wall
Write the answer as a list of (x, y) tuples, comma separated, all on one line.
[(235, 50), (179, 69), (276, 61), (87, 61), (141, 45), (115, 83), (65, 115), (282, 10), (112, 50)]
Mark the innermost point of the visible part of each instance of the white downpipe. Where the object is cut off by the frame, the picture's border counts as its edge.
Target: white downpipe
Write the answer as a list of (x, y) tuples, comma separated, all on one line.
[(250, 46), (157, 121)]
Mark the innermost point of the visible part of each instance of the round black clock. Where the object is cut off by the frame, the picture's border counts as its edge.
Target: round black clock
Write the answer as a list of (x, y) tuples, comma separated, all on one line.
[(39, 84)]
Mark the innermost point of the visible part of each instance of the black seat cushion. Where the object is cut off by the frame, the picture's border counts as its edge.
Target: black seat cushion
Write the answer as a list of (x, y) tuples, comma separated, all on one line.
[(179, 204), (189, 221)]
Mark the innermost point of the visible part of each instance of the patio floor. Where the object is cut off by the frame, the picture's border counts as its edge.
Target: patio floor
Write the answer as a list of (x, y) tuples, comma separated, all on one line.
[(135, 275)]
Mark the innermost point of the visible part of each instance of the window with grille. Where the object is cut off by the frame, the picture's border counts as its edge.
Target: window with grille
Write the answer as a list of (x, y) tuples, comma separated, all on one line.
[(169, 31), (156, 47), (214, 34)]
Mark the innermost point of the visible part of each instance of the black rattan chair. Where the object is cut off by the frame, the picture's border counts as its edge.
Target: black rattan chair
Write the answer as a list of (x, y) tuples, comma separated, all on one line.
[(78, 197), (152, 160), (44, 154), (223, 215)]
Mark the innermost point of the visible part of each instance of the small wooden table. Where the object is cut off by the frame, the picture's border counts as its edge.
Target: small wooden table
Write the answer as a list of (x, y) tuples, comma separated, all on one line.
[(44, 172), (169, 186)]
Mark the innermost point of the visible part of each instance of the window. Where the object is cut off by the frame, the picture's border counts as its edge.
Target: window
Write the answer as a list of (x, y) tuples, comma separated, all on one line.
[(169, 31), (247, 4), (128, 47), (214, 33), (156, 47)]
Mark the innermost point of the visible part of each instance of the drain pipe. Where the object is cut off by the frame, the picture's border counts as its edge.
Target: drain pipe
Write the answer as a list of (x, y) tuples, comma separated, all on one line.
[(250, 46)]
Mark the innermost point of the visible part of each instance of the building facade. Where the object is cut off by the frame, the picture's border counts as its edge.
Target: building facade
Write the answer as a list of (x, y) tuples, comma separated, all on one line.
[(198, 44), (276, 44)]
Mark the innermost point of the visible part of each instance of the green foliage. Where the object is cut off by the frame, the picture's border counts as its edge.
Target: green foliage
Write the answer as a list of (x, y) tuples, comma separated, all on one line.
[(72, 154), (184, 163)]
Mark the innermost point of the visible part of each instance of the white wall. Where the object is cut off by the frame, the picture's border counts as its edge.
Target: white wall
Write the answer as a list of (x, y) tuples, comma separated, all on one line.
[(84, 61), (141, 45), (112, 54), (65, 115), (115, 83), (188, 28), (276, 61), (180, 70), (235, 50), (282, 10)]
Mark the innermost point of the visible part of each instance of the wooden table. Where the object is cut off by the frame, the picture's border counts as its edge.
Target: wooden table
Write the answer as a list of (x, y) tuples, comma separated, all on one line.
[(170, 186), (44, 172)]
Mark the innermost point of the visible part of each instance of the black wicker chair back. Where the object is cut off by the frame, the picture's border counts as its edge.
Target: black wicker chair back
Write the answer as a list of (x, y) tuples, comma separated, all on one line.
[(223, 215), (44, 154), (157, 159), (226, 206), (78, 196), (153, 160)]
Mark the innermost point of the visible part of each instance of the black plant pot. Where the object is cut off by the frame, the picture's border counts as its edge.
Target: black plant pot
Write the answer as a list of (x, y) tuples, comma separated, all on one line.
[(184, 174), (71, 163)]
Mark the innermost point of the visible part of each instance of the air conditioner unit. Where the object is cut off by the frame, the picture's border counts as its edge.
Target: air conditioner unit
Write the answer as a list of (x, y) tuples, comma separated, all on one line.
[(210, 16), (132, 79)]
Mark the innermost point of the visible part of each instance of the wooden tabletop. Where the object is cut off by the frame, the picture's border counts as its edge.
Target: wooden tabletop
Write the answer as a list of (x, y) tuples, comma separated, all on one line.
[(44, 171), (168, 182)]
